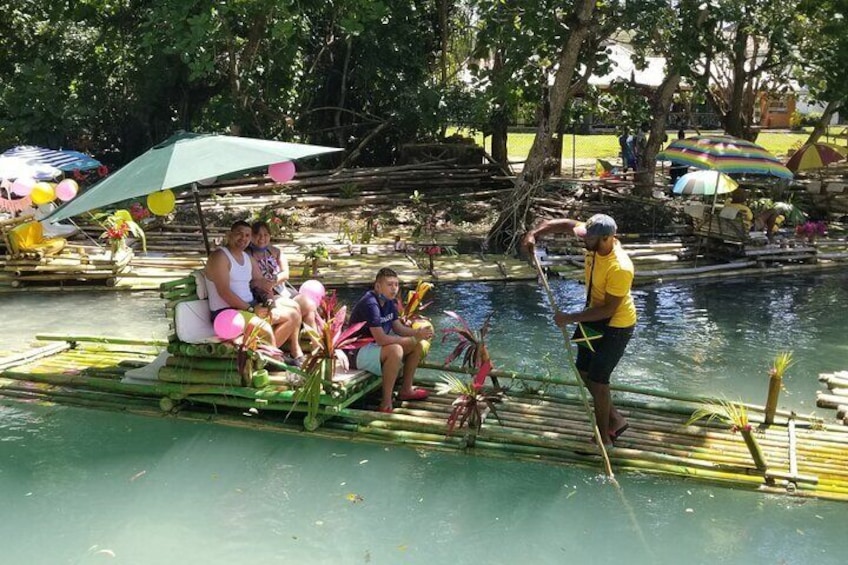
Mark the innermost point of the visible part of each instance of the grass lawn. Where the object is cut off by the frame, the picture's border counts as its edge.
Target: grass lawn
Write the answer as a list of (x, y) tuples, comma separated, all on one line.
[(605, 146)]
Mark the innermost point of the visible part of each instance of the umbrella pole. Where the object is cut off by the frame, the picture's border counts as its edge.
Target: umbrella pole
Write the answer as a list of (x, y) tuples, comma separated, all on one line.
[(196, 195)]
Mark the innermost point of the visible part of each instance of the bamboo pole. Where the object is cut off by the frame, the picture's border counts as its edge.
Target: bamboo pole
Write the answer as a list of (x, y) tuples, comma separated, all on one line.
[(589, 413), (100, 339)]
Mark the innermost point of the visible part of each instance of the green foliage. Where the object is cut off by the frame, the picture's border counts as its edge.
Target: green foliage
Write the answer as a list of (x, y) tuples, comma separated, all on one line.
[(822, 47), (316, 251)]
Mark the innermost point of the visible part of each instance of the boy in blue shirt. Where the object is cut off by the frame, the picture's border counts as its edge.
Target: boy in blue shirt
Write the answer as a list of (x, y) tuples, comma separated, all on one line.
[(395, 344)]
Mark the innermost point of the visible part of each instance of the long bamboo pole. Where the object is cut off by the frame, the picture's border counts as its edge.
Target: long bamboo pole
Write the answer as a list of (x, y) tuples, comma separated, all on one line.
[(589, 412)]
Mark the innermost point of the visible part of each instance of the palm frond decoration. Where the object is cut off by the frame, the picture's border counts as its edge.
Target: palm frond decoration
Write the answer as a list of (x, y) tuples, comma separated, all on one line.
[(781, 364), (735, 414)]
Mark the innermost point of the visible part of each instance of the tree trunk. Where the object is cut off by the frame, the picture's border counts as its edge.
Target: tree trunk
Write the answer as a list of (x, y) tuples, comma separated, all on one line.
[(513, 216), (661, 104), (733, 121), (499, 119), (821, 125)]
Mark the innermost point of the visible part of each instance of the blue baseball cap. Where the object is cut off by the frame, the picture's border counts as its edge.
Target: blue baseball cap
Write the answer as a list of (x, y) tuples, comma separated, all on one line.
[(597, 225)]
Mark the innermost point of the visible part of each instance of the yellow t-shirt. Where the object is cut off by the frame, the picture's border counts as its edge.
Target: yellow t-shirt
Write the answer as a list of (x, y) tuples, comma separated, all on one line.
[(744, 212), (613, 274)]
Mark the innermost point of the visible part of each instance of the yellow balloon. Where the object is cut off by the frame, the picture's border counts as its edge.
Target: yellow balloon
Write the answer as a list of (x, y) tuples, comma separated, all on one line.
[(42, 193), (122, 215), (161, 203)]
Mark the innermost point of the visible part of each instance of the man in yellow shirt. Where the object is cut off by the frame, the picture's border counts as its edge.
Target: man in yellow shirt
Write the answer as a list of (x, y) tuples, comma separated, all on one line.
[(609, 309)]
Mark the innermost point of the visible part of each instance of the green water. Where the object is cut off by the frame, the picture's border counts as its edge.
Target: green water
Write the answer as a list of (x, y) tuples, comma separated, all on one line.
[(81, 486)]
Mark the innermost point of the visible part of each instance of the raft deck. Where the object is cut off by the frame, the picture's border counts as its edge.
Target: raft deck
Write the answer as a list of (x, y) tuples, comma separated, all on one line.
[(805, 456)]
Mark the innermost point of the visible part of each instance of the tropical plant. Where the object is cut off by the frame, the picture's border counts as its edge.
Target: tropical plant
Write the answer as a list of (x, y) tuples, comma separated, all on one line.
[(314, 254), (472, 347), (470, 405), (329, 340), (253, 351), (118, 226), (811, 229), (410, 310)]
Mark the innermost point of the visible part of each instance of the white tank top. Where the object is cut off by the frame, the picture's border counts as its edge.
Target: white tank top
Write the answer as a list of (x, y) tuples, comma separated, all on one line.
[(240, 275)]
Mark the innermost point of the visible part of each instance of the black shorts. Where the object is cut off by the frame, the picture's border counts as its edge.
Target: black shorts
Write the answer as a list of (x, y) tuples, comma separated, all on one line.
[(608, 352)]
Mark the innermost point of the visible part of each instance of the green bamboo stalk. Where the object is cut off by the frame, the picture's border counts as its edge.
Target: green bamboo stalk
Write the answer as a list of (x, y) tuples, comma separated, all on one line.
[(695, 399), (100, 339), (177, 282), (202, 363), (195, 376)]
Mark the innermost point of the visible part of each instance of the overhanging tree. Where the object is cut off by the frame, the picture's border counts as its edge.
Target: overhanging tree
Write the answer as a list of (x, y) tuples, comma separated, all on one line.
[(580, 26)]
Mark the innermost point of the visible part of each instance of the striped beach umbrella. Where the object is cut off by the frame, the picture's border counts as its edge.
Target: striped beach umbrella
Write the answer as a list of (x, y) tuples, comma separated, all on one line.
[(729, 155), (815, 156), (13, 167), (62, 159), (708, 183)]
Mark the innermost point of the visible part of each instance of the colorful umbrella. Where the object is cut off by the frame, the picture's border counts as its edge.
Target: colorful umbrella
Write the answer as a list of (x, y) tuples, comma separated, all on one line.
[(15, 167), (185, 159), (707, 183), (62, 159), (604, 168), (727, 154), (815, 156)]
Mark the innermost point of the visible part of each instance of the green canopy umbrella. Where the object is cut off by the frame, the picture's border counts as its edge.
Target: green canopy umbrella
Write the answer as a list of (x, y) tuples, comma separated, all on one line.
[(184, 159)]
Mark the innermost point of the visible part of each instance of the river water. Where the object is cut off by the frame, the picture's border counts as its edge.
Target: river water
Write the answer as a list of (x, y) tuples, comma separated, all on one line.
[(82, 486)]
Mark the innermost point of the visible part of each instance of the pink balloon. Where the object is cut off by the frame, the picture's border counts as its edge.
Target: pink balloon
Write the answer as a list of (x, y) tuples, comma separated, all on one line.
[(23, 186), (313, 290), (282, 172), (66, 189), (229, 324)]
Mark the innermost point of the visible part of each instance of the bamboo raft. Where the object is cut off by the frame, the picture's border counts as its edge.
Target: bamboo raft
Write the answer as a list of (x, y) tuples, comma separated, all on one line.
[(836, 397), (539, 420)]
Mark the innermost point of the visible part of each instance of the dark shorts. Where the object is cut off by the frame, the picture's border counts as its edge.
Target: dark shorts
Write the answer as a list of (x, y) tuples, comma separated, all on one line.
[(216, 312), (608, 352)]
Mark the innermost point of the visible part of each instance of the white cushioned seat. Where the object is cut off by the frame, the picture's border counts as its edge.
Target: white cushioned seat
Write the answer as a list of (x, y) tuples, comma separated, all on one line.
[(193, 321)]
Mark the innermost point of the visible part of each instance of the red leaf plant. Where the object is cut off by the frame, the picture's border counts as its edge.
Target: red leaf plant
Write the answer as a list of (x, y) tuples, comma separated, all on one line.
[(331, 338), (472, 403)]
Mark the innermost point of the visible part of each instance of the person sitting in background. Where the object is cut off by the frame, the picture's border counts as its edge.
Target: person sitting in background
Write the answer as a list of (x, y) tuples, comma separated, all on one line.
[(738, 199), (771, 219), (274, 268), (395, 345)]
